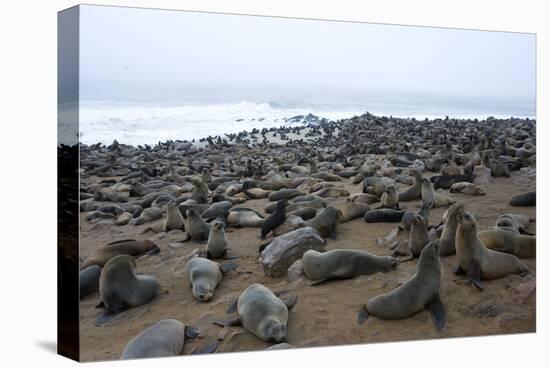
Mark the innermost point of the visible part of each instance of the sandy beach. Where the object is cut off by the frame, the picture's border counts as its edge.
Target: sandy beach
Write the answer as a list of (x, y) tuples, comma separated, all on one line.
[(325, 314)]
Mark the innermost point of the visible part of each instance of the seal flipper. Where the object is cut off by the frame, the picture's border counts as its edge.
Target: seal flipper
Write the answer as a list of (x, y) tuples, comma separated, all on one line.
[(105, 316), (120, 241), (100, 305), (208, 348), (523, 231), (262, 247), (229, 322), (474, 274), (438, 311), (317, 282), (363, 315), (290, 300), (224, 268), (459, 271), (154, 251), (232, 308)]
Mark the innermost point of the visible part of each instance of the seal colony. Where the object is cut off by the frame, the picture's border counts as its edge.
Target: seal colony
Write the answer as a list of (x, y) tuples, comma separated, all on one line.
[(420, 219)]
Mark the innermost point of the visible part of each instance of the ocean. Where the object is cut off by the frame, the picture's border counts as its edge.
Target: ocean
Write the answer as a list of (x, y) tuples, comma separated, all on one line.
[(139, 122)]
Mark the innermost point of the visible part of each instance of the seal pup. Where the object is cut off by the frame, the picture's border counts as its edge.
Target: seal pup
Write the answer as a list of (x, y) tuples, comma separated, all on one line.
[(478, 262), (216, 247), (275, 219), (262, 313), (122, 247), (326, 222), (205, 275), (344, 264), (429, 195), (508, 241), (197, 228), (415, 191), (448, 235), (524, 199), (120, 288), (466, 188), (420, 292), (89, 280), (163, 339)]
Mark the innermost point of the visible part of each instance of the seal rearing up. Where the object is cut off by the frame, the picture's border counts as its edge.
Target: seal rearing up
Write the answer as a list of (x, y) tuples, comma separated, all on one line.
[(476, 260), (419, 292)]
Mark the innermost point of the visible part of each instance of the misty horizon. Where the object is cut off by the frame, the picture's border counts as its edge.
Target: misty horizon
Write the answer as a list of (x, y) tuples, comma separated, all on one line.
[(131, 54)]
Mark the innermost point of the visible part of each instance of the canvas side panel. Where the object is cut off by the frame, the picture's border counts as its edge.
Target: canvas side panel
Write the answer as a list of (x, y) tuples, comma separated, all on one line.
[(67, 183)]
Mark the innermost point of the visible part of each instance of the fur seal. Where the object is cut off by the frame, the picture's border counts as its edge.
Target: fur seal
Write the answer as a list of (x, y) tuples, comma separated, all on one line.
[(174, 219), (284, 194), (418, 293), (344, 264), (262, 313), (200, 191), (447, 240), (389, 198), (204, 276), (415, 191), (326, 222), (476, 260), (122, 247), (408, 216), (120, 288), (275, 219), (165, 338), (510, 242), (429, 195), (244, 217), (466, 188), (216, 247), (418, 236), (217, 210), (89, 280), (524, 199), (515, 222), (148, 215), (305, 213), (197, 228), (353, 210), (384, 215)]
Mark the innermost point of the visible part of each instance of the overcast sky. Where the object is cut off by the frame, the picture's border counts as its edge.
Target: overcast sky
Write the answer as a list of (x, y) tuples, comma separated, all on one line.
[(129, 54)]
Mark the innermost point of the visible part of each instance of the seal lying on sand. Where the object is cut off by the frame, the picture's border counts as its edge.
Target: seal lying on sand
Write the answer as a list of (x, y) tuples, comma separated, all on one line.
[(384, 215), (205, 275), (344, 264), (120, 288), (244, 217), (262, 313), (510, 242), (89, 280), (122, 247), (524, 199), (514, 222), (418, 293), (476, 260), (466, 188), (163, 339)]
